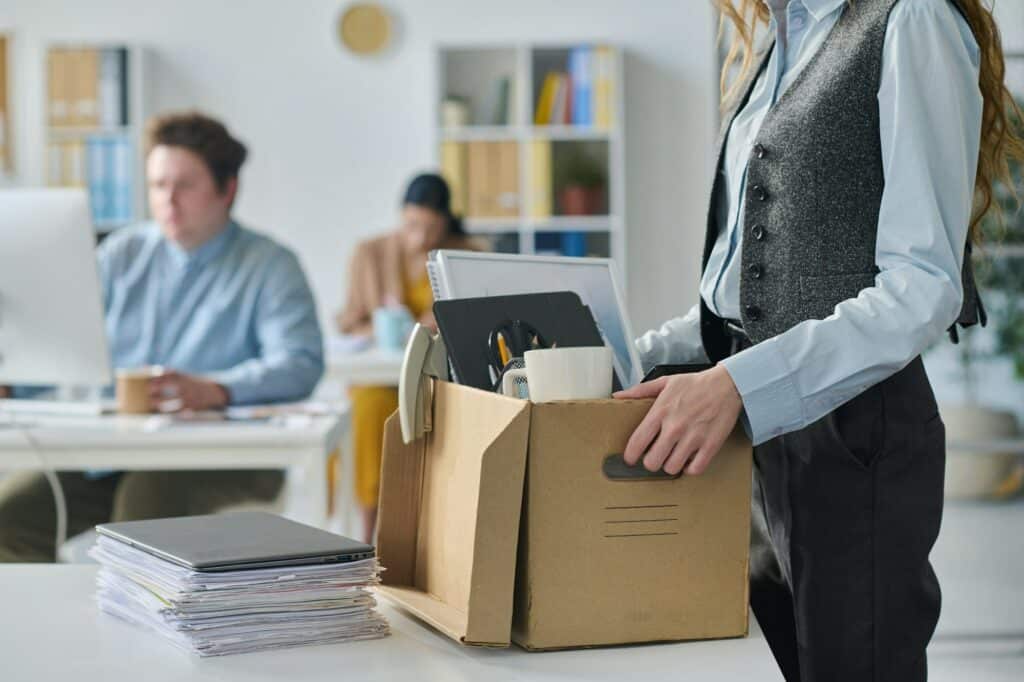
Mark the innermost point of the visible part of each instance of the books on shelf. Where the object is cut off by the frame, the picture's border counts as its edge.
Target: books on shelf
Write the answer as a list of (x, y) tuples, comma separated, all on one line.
[(88, 88), (66, 163), (582, 95), (104, 164), (492, 172), (580, 75), (453, 170), (500, 108), (603, 89), (540, 179)]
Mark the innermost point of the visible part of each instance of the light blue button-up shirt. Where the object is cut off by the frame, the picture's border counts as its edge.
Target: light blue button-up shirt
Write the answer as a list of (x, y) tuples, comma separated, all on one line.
[(930, 123), (237, 310)]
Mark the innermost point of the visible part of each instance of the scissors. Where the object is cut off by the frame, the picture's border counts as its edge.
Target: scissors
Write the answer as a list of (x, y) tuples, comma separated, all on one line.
[(511, 339)]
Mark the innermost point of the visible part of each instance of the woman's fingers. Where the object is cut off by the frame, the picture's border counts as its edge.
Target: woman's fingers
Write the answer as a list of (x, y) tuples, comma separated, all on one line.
[(642, 438), (683, 451), (648, 389)]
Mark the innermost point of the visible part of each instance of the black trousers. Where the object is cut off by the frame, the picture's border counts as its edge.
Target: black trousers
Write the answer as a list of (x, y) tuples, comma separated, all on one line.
[(845, 513)]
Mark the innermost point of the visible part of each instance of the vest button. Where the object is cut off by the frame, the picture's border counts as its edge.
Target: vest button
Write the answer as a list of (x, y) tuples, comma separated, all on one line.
[(753, 313), (755, 271), (757, 232), (759, 151), (760, 193)]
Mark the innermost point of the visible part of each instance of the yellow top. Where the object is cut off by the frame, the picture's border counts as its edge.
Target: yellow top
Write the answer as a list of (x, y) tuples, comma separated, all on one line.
[(372, 405), (419, 298)]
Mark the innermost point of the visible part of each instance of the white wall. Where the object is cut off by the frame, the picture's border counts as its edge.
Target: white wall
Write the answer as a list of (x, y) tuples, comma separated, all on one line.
[(333, 138)]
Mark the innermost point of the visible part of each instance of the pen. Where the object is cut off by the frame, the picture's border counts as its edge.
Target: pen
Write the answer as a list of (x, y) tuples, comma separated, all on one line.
[(503, 349)]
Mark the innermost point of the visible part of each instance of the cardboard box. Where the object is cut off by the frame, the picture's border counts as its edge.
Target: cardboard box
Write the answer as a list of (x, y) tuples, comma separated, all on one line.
[(503, 524)]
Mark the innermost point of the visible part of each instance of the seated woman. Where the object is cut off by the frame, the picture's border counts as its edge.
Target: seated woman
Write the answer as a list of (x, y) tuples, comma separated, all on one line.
[(386, 271)]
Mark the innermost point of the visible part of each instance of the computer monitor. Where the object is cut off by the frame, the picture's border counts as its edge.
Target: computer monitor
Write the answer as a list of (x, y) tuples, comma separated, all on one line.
[(51, 308)]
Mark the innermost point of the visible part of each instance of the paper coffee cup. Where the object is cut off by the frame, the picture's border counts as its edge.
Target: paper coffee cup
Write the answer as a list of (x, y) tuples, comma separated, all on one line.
[(133, 389)]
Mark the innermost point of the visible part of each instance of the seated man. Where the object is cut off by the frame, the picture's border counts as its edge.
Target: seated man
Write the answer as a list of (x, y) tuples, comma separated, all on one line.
[(226, 310)]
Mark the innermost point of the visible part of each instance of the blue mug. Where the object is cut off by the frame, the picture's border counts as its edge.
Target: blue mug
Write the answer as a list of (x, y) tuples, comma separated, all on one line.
[(391, 327)]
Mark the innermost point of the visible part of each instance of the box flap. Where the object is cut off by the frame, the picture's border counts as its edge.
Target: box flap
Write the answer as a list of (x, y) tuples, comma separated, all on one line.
[(449, 513), (445, 618)]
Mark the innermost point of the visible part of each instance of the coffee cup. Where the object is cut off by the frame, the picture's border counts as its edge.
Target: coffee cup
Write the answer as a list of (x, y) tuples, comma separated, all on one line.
[(391, 327), (551, 374), (133, 389)]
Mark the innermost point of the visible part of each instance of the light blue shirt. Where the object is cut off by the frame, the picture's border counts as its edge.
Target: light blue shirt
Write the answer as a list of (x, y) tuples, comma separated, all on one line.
[(237, 310), (930, 109)]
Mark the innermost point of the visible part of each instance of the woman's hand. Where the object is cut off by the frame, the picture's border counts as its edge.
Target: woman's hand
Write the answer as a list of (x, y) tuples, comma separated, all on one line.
[(688, 423), (428, 321)]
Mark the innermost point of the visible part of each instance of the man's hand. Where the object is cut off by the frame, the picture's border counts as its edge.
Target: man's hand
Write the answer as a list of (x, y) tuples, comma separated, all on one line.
[(688, 423), (173, 392)]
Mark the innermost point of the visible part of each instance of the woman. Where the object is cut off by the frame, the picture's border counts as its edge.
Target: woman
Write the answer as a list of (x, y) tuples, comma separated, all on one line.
[(834, 255), (388, 271)]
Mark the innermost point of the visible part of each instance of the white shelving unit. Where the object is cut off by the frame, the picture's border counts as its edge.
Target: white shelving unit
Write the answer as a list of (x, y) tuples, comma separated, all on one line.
[(472, 73), (71, 137)]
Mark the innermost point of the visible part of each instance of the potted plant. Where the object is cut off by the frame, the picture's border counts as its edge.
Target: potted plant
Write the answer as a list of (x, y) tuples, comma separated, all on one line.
[(582, 184)]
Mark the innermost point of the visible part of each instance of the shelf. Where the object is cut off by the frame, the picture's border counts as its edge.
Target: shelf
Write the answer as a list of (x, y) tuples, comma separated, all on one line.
[(84, 131), (512, 133), (561, 223), (568, 223), (549, 158), (492, 225), (482, 133), (570, 133)]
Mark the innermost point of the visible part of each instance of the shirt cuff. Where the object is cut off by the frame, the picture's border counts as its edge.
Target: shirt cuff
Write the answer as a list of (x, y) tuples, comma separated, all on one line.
[(771, 400), (241, 390)]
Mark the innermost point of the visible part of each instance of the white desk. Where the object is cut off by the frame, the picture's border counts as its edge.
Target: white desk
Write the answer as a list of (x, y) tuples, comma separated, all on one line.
[(50, 629), (300, 446), (372, 367)]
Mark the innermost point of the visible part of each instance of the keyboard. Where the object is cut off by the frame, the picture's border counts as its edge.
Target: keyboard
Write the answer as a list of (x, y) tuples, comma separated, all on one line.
[(56, 408)]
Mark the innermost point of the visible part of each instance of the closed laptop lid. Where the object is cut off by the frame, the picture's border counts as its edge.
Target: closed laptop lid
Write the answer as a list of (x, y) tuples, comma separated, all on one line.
[(236, 540)]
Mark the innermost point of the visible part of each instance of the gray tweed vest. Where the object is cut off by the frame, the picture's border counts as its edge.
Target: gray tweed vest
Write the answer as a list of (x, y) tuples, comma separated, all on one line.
[(814, 189)]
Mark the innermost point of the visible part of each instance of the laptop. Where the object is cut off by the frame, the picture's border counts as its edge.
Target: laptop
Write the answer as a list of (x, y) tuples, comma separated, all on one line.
[(236, 541)]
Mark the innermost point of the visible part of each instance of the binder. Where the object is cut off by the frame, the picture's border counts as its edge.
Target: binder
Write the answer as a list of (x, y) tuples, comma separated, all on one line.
[(55, 164), (603, 87), (580, 71), (74, 164), (540, 179), (99, 197), (560, 104), (492, 169), (478, 179), (85, 86), (507, 162), (453, 169), (546, 101), (121, 180), (57, 86), (112, 63)]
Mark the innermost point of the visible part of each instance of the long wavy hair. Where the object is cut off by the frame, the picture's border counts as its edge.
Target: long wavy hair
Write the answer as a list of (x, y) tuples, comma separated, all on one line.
[(1002, 142)]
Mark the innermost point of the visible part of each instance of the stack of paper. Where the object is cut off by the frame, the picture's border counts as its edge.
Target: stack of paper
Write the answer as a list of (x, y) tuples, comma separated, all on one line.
[(216, 613)]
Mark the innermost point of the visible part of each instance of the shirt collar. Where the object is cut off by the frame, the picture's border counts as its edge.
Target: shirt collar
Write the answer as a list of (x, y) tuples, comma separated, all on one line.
[(205, 252), (819, 9)]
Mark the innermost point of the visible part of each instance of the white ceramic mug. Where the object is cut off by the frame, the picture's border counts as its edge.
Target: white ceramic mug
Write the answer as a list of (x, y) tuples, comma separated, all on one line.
[(563, 374)]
